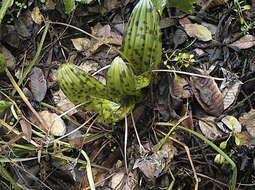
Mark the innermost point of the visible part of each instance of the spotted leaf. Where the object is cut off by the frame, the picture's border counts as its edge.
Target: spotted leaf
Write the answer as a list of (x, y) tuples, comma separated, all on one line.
[(142, 45), (108, 111), (78, 85), (120, 79)]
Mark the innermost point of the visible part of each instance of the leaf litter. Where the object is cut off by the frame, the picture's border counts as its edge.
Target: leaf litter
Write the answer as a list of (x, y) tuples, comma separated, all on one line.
[(174, 98)]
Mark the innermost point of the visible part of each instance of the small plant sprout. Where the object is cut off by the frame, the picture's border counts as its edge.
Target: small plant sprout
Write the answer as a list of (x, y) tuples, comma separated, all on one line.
[(180, 60), (240, 8)]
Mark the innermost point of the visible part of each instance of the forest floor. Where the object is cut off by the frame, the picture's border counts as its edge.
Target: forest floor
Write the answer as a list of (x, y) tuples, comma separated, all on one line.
[(216, 42)]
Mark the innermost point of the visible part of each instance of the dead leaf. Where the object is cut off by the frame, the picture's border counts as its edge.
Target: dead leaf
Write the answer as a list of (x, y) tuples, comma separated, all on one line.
[(81, 44), (230, 88), (38, 84), (63, 103), (207, 94), (245, 42), (248, 120), (179, 37), (26, 129), (57, 125), (198, 31), (208, 128), (156, 164), (36, 15), (226, 124)]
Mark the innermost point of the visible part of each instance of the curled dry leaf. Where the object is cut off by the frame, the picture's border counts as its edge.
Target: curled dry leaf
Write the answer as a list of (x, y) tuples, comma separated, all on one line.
[(230, 88), (63, 103), (198, 31), (228, 122), (180, 88), (156, 164), (81, 44), (26, 129), (57, 125), (245, 42), (248, 120), (38, 84), (208, 128), (207, 94)]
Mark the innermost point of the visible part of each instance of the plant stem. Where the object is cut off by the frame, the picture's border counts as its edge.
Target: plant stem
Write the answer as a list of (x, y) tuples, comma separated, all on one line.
[(3, 9), (234, 177), (30, 66)]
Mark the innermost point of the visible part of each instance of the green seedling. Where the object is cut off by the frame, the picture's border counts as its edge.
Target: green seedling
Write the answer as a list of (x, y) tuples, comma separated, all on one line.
[(179, 61), (240, 8), (224, 144)]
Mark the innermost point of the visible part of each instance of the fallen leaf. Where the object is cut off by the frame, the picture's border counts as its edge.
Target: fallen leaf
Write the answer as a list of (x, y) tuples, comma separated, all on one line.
[(226, 124), (38, 84), (207, 94), (198, 31), (57, 125), (156, 164), (63, 103), (245, 42), (208, 128), (81, 44), (26, 129), (230, 88), (248, 120)]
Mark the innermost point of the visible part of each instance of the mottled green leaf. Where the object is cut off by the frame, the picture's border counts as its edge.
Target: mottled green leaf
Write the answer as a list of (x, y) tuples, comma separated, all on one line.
[(78, 85), (184, 5), (120, 79), (4, 105), (108, 111), (142, 44)]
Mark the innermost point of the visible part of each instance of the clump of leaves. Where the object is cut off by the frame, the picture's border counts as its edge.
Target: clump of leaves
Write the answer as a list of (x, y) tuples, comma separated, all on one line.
[(111, 101), (124, 82)]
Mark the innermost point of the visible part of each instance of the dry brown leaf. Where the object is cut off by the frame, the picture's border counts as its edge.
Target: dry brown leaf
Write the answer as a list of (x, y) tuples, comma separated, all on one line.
[(207, 94), (208, 128), (248, 120), (230, 88), (81, 44), (38, 84), (245, 42), (57, 125), (104, 36), (63, 103), (156, 164), (226, 126), (198, 31), (26, 129)]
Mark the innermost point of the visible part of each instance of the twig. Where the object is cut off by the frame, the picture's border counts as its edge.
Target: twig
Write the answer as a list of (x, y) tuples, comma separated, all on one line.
[(186, 73), (234, 177), (24, 98)]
